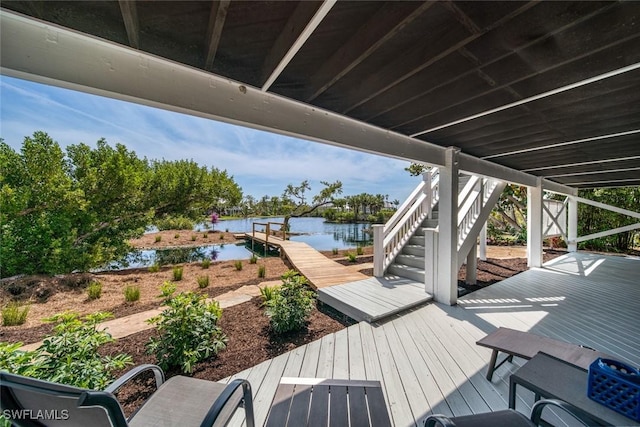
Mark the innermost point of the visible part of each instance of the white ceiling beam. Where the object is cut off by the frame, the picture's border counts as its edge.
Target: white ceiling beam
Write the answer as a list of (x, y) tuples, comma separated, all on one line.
[(547, 94), (594, 172), (302, 39), (562, 144), (217, 17), (131, 24), (593, 162), (49, 54), (607, 183)]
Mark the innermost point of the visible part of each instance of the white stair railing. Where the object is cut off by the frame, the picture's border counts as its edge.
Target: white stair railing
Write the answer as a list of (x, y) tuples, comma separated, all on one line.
[(388, 239)]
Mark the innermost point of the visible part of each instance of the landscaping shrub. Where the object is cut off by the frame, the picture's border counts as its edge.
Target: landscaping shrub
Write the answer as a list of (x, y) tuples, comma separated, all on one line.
[(334, 251), (158, 238), (188, 332), (222, 237), (174, 223), (94, 290), (238, 265), (193, 237), (267, 293), (253, 259), (131, 293), (205, 263), (154, 268), (359, 250), (177, 273), (176, 236), (351, 257), (205, 235), (14, 314), (262, 271), (290, 306), (167, 289), (69, 355), (203, 281)]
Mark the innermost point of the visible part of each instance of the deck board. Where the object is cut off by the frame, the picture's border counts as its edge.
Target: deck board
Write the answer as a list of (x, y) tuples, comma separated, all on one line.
[(427, 360)]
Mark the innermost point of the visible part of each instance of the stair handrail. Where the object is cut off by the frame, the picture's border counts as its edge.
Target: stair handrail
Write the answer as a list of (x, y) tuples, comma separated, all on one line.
[(388, 239), (473, 203)]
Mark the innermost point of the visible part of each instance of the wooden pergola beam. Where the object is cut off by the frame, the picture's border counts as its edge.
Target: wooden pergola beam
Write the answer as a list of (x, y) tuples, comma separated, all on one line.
[(217, 17), (131, 23)]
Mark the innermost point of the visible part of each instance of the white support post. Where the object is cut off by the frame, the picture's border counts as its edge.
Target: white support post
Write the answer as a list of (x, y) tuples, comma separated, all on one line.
[(378, 250), (534, 225), (483, 243), (446, 290), (426, 177), (472, 266), (430, 260), (572, 224)]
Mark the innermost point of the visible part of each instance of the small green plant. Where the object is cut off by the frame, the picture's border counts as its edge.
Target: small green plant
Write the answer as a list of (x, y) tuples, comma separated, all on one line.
[(94, 290), (222, 237), (253, 259), (154, 268), (194, 237), (177, 273), (205, 263), (14, 314), (69, 355), (131, 293), (267, 293), (351, 257), (176, 236), (203, 281), (289, 307), (167, 289), (188, 332), (334, 251), (262, 271), (226, 230), (158, 238), (238, 265), (205, 235), (359, 250)]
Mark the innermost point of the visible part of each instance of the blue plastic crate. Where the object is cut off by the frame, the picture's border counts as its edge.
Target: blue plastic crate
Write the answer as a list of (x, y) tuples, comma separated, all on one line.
[(615, 385)]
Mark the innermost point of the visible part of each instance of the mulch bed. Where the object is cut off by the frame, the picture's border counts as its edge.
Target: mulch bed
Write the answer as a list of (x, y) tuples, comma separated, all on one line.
[(249, 343)]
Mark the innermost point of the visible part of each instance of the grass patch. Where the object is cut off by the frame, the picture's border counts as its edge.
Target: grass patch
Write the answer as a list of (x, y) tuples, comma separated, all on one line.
[(177, 273), (359, 250), (154, 268), (194, 237), (203, 281), (176, 236), (94, 290), (14, 314), (351, 256), (238, 265), (221, 236), (253, 259), (131, 293), (158, 238), (334, 251), (262, 271), (206, 263)]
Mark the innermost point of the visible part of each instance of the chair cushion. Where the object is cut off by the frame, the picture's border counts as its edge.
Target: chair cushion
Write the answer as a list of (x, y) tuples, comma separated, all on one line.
[(506, 418), (180, 401)]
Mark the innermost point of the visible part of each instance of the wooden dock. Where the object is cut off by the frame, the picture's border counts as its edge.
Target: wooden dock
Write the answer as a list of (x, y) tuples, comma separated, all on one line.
[(317, 268), (427, 361)]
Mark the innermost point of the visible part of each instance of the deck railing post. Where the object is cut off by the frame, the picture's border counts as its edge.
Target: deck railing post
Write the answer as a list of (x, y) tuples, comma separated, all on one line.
[(430, 259), (426, 177), (378, 250)]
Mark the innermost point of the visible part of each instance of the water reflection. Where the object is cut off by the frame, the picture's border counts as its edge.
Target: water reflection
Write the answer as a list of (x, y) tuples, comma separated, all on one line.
[(149, 257)]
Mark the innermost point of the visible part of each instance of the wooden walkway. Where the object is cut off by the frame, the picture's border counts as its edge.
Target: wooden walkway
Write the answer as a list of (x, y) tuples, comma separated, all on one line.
[(317, 268), (427, 359)]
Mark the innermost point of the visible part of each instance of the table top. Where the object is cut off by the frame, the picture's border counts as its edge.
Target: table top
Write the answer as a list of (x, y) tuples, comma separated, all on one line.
[(558, 379), (318, 401)]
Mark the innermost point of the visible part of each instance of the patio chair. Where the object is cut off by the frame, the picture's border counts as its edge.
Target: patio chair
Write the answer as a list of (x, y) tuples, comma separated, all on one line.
[(508, 417), (180, 401)]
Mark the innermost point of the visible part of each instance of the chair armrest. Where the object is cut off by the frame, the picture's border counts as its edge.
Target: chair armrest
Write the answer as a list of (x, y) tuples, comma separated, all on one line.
[(437, 419), (538, 407), (106, 401), (222, 400), (157, 372)]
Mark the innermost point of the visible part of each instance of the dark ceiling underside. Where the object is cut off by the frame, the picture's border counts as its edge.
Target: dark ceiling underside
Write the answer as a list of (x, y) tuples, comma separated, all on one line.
[(418, 67)]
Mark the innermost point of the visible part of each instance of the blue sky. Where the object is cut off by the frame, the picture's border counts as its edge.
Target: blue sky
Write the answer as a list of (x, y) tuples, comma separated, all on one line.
[(262, 163)]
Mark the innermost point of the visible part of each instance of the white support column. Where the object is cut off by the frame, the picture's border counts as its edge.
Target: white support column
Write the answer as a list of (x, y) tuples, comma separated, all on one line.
[(534, 225), (378, 250), (446, 290), (472, 266), (430, 260), (483, 243), (572, 224)]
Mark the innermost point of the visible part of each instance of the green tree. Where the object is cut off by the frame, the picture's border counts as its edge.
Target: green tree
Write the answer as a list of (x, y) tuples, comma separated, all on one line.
[(298, 194)]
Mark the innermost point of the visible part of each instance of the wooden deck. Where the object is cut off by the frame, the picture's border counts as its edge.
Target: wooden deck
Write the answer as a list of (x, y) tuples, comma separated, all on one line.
[(317, 268), (427, 359), (374, 298)]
